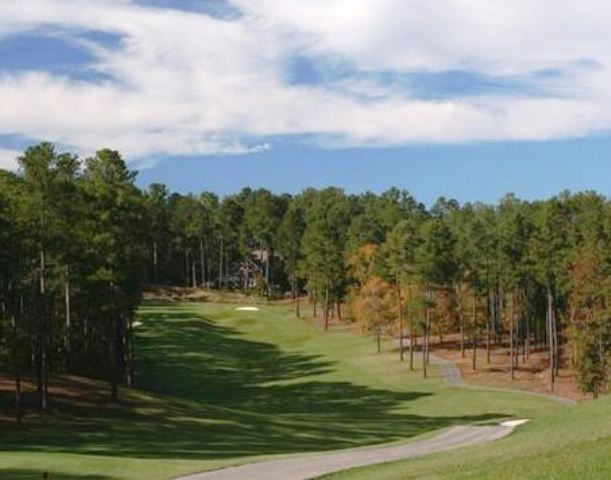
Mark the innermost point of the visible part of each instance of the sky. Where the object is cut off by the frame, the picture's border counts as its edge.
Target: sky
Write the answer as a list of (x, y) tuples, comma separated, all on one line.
[(468, 99)]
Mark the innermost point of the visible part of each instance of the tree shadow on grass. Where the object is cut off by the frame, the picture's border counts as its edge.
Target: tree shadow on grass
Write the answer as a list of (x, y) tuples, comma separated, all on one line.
[(219, 395), (31, 474)]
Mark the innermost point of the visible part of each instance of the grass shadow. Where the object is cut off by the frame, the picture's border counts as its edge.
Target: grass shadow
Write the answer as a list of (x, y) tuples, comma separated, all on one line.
[(218, 395), (31, 474)]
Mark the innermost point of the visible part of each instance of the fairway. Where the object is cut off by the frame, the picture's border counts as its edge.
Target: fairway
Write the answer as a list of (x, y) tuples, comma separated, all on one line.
[(219, 387)]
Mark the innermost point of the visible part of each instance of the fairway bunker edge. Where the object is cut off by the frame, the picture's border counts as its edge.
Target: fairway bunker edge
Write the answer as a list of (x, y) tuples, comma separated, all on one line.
[(515, 423)]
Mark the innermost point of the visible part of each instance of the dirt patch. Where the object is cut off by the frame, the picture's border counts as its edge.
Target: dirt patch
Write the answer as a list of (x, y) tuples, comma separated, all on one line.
[(69, 394), (532, 373)]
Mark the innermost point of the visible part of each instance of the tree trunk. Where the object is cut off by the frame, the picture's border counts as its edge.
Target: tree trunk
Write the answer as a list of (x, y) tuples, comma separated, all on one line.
[(226, 269), (474, 358), (428, 339), (221, 265), (202, 261), (245, 279), (378, 339), (193, 273), (461, 320), (427, 336), (37, 360), (155, 263), (425, 343), (550, 322), (44, 358), (296, 296), (129, 354), (17, 371), (411, 335), (488, 318), (516, 344), (68, 317), (400, 306), (112, 357), (267, 259), (556, 344), (527, 345), (500, 308), (511, 335), (603, 366), (326, 307), (338, 305), (187, 270), (528, 320)]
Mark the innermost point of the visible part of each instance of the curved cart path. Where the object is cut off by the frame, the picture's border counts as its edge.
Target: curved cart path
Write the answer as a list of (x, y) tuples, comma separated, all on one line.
[(314, 465), (451, 376), (309, 466)]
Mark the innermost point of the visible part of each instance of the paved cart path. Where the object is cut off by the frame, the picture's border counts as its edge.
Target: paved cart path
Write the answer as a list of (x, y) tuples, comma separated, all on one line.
[(448, 371), (309, 466), (313, 465), (451, 376)]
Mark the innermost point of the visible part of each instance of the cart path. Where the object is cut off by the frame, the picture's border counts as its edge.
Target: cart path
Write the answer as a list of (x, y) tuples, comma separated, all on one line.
[(451, 376), (449, 371), (311, 466)]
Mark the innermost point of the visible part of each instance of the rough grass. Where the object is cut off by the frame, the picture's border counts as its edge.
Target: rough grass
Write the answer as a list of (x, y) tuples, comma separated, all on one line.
[(219, 386)]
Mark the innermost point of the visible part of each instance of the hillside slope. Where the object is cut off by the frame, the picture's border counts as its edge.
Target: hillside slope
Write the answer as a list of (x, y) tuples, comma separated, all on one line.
[(563, 445), (219, 386)]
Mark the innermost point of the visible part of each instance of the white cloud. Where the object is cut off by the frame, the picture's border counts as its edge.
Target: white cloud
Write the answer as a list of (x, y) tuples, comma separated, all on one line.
[(187, 83), (8, 159), (493, 35)]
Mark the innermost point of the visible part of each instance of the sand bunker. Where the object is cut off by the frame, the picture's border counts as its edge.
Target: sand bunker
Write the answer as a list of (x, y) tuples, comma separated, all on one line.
[(247, 309), (515, 423)]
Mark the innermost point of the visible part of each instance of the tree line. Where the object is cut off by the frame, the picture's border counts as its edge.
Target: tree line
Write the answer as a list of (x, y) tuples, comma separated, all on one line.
[(72, 240), (520, 275), (79, 239)]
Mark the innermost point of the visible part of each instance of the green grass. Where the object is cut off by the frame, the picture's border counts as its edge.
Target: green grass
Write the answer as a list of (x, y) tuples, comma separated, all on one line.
[(219, 387), (566, 445)]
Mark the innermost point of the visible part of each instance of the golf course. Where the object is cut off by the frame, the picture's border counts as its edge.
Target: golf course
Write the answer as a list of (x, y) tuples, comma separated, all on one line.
[(305, 240), (218, 387)]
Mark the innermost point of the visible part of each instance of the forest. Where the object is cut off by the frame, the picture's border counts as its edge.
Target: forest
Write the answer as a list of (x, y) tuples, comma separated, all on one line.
[(80, 242)]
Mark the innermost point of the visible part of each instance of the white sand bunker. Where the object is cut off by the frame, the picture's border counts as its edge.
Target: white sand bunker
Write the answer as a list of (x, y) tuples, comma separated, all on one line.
[(137, 324), (247, 309), (515, 423)]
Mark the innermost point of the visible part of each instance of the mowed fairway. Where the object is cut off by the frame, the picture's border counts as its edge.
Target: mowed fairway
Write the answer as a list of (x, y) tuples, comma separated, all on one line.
[(220, 387)]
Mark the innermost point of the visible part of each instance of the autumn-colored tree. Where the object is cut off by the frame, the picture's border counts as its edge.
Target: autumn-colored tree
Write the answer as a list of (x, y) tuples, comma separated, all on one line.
[(436, 268), (445, 312), (399, 252), (374, 307), (590, 313)]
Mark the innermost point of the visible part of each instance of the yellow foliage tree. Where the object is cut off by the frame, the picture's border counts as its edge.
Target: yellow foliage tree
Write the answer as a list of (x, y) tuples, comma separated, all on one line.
[(590, 312), (374, 307)]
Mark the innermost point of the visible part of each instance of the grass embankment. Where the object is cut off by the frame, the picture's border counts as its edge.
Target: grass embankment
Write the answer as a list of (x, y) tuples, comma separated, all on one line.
[(570, 444), (219, 386)]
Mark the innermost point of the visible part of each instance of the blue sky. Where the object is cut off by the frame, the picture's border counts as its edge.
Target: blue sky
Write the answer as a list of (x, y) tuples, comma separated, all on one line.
[(217, 95), (467, 173)]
